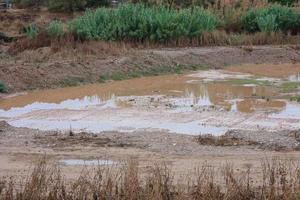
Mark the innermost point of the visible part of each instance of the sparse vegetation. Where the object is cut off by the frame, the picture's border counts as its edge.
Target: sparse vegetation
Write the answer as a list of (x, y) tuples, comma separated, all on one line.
[(153, 71), (55, 29), (278, 179), (31, 31), (289, 86)]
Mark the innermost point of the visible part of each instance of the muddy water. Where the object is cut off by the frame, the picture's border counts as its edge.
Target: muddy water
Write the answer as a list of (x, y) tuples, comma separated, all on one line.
[(180, 86), (198, 103)]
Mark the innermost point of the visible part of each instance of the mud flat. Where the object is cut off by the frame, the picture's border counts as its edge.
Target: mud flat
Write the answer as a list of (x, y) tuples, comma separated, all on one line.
[(208, 115)]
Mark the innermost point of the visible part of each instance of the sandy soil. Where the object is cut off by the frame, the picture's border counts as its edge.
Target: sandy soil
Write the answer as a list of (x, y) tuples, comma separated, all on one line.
[(21, 147)]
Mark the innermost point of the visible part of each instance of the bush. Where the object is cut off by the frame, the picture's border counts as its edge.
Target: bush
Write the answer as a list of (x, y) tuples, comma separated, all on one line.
[(55, 29), (3, 87), (140, 23), (31, 31), (279, 18), (66, 5), (267, 24)]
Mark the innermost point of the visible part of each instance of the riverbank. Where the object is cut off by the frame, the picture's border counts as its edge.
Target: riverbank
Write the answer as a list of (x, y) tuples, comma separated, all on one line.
[(93, 62)]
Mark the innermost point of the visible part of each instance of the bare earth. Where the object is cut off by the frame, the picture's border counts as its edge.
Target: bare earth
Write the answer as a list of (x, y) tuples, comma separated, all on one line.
[(44, 69)]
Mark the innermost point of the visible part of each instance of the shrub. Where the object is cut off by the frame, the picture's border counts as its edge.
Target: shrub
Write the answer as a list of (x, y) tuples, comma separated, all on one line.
[(55, 29), (267, 24), (140, 23), (3, 87), (66, 5), (31, 30), (280, 18)]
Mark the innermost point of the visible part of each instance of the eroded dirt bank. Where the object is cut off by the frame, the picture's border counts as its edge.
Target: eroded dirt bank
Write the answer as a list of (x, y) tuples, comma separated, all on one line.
[(44, 68)]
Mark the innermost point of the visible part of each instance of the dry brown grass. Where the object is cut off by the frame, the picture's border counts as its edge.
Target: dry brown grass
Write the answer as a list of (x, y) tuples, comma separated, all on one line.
[(278, 179), (69, 46)]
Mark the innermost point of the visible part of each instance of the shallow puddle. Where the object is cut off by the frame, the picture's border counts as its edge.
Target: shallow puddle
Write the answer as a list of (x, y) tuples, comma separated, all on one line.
[(294, 77), (73, 162), (205, 102)]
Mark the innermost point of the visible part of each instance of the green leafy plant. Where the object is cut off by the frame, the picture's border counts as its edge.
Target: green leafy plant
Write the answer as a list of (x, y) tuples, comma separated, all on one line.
[(158, 24), (31, 31), (275, 17), (55, 29), (267, 24)]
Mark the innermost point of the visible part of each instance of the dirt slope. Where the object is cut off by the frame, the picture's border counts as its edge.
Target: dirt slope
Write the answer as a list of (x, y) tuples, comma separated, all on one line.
[(44, 69)]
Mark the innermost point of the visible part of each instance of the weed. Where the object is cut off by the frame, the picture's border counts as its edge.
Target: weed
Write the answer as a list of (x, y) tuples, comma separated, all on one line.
[(55, 29), (31, 31)]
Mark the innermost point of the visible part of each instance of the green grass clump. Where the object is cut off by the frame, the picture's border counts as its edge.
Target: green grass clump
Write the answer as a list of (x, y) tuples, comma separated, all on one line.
[(55, 29), (31, 31), (3, 87), (273, 18), (141, 23), (289, 86)]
